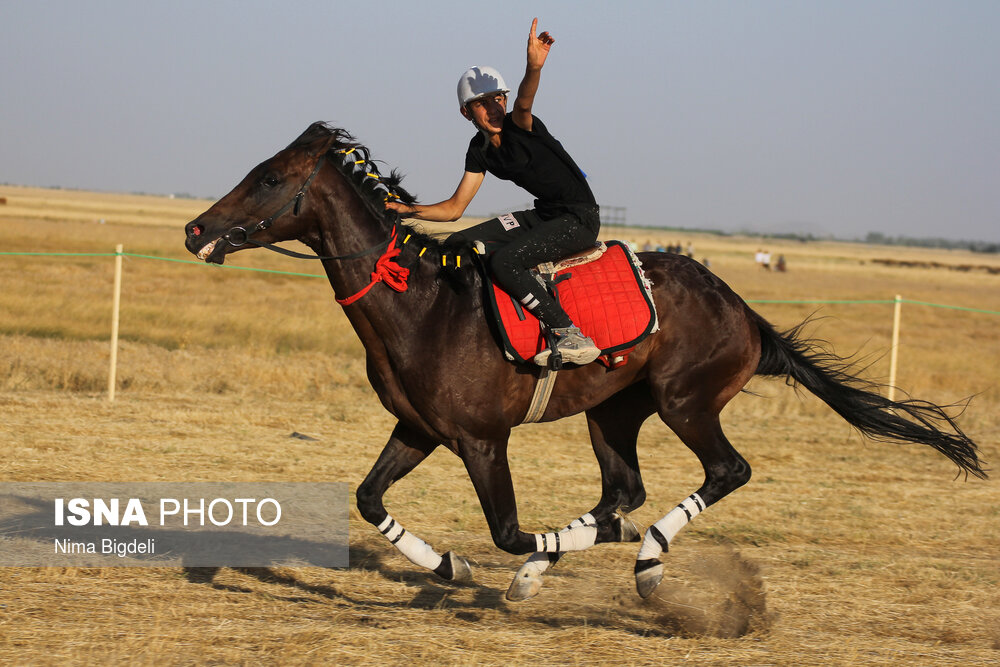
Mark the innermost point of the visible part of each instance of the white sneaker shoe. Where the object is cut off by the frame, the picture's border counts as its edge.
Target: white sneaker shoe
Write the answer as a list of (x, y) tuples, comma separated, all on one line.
[(573, 347)]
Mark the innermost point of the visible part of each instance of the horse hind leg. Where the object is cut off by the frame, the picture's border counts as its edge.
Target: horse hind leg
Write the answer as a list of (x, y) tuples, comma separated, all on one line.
[(614, 428), (725, 471)]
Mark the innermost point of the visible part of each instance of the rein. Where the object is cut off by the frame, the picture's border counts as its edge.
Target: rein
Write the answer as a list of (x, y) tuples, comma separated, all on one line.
[(302, 255)]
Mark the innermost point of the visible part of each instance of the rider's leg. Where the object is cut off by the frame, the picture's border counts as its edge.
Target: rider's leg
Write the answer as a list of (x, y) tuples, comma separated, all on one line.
[(511, 265)]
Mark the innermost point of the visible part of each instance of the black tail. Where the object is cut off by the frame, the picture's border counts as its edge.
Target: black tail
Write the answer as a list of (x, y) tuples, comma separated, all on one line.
[(858, 401)]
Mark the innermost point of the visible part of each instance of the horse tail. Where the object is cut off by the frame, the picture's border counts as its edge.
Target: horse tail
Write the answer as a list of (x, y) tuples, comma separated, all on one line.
[(808, 363)]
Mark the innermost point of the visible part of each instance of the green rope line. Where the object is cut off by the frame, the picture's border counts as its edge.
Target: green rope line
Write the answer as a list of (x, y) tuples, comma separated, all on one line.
[(224, 266), (882, 301), (62, 254), (877, 301), (319, 275), (941, 305), (163, 259)]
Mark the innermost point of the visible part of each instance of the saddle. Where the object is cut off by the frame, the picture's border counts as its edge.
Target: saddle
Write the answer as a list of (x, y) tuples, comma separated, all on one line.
[(604, 292)]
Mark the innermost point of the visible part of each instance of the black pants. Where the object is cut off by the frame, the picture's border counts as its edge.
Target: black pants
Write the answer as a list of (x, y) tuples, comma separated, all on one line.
[(526, 240)]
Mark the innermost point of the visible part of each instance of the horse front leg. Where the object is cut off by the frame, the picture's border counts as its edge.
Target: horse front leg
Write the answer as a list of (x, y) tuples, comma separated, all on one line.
[(404, 452), (614, 429), (486, 462)]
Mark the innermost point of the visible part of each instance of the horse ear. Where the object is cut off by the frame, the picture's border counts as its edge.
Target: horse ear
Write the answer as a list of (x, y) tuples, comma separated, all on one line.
[(326, 145), (316, 138), (323, 140)]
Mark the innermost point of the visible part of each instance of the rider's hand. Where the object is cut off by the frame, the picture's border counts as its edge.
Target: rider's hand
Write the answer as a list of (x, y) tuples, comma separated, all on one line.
[(399, 207), (538, 46)]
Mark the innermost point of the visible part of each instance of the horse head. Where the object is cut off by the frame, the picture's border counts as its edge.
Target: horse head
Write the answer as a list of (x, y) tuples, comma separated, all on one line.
[(271, 204)]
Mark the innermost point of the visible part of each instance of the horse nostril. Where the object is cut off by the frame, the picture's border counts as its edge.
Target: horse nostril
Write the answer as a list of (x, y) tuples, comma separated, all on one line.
[(195, 230)]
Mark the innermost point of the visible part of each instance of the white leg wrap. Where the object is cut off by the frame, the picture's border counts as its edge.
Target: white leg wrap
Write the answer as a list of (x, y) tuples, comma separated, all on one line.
[(419, 552), (670, 525), (538, 562), (578, 535)]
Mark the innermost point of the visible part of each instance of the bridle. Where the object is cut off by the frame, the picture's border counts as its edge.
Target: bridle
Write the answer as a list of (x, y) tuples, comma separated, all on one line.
[(387, 270), (239, 236)]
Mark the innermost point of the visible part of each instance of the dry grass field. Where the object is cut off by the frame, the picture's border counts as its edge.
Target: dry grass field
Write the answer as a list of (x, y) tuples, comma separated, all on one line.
[(839, 551)]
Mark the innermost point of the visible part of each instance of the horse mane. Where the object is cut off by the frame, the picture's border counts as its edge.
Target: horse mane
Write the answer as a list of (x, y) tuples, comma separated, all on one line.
[(455, 259)]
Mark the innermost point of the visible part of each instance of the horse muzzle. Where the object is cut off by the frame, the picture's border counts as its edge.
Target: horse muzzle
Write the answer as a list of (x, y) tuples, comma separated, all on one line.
[(213, 251)]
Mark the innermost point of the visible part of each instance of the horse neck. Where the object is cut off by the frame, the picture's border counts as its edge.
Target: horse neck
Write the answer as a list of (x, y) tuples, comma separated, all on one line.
[(383, 318)]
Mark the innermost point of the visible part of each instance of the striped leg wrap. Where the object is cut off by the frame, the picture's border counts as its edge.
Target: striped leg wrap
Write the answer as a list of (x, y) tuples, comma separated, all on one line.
[(540, 561), (578, 535), (659, 535), (419, 552)]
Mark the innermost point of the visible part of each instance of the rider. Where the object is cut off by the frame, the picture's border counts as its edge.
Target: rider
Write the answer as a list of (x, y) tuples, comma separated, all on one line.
[(517, 147)]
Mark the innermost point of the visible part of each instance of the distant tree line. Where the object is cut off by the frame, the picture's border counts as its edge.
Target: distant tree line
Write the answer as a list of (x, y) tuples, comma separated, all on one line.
[(950, 244), (874, 238)]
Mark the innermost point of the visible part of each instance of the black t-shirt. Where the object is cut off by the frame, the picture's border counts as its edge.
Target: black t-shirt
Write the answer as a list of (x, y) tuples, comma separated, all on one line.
[(535, 161)]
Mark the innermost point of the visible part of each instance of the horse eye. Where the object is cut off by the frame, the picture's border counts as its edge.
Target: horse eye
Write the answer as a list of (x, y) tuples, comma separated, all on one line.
[(270, 181)]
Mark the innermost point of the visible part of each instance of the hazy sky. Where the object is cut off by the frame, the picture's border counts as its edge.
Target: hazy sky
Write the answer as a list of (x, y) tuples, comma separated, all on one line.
[(839, 117)]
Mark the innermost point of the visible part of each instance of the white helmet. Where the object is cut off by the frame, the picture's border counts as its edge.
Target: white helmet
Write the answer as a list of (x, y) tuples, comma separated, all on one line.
[(478, 82)]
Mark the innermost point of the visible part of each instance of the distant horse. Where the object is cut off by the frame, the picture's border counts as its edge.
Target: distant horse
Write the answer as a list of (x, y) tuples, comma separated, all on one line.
[(434, 362)]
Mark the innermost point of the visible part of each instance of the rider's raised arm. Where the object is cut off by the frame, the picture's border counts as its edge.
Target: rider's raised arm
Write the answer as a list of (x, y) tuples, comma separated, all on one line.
[(450, 209), (538, 51)]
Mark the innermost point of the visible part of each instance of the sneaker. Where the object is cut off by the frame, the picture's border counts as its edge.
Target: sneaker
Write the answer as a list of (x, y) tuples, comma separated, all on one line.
[(573, 346)]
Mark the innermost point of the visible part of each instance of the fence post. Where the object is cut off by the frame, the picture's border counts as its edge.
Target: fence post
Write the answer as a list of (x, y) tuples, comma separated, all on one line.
[(116, 304), (897, 311)]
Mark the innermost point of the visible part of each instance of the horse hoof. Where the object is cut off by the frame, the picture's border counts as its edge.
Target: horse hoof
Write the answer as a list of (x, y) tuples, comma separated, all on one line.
[(461, 570), (648, 574), (454, 568), (524, 586), (627, 531)]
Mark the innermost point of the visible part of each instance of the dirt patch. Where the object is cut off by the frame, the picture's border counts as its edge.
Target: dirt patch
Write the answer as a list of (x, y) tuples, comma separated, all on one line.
[(717, 593)]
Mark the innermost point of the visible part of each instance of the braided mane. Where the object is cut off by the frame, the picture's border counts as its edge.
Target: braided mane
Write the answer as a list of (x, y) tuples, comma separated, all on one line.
[(353, 159)]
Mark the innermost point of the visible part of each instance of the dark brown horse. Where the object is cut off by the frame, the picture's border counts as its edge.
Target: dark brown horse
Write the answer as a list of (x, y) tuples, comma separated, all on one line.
[(436, 366)]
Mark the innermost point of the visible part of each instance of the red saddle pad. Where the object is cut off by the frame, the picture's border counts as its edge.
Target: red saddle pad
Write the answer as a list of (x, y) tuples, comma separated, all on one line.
[(609, 299)]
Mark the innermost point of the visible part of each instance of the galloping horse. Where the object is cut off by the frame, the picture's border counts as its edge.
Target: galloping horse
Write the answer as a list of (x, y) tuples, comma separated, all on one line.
[(324, 191)]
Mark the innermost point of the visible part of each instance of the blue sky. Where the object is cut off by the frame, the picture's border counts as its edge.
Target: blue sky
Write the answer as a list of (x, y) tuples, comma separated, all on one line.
[(826, 117)]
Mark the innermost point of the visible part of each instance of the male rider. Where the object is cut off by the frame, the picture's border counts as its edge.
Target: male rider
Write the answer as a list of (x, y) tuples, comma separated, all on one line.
[(517, 147)]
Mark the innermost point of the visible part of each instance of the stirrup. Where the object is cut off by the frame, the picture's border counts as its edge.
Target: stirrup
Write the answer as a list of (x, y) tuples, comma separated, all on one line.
[(571, 347)]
